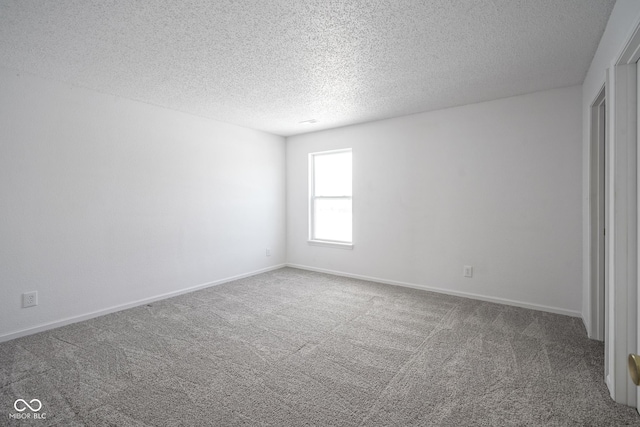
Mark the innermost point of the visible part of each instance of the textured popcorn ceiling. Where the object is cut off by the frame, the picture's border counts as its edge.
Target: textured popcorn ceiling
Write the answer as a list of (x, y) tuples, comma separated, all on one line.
[(271, 64)]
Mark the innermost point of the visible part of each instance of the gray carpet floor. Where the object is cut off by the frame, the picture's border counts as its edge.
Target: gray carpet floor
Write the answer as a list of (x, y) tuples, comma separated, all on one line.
[(296, 348)]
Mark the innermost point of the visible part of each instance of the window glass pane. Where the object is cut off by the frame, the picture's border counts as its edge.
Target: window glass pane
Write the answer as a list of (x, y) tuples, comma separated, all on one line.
[(332, 219), (332, 174)]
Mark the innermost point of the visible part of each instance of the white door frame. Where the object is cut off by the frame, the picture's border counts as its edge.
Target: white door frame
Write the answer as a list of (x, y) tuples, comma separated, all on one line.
[(597, 203), (622, 161)]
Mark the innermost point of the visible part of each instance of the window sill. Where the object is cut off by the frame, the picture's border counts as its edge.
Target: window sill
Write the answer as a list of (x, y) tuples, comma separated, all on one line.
[(348, 246)]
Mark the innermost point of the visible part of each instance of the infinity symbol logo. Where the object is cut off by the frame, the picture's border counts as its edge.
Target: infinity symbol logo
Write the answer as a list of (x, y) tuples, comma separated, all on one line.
[(26, 405)]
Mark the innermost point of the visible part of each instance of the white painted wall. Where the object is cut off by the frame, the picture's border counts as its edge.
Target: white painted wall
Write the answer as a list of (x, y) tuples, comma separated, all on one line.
[(106, 201), (495, 185)]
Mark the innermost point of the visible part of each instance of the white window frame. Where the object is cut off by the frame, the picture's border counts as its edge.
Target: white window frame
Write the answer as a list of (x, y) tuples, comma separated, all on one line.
[(312, 198)]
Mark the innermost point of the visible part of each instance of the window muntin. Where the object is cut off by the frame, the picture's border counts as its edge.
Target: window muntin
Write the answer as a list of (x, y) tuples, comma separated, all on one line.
[(330, 206)]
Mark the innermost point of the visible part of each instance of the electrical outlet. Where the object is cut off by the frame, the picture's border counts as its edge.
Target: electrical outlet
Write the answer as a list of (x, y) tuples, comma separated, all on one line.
[(467, 271), (29, 299), (268, 251)]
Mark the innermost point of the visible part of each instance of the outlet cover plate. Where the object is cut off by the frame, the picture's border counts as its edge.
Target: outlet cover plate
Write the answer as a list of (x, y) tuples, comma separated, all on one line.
[(29, 299), (467, 271)]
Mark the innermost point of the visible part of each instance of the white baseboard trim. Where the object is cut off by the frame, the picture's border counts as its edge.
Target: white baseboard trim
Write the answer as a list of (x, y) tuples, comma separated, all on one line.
[(504, 301), (74, 319)]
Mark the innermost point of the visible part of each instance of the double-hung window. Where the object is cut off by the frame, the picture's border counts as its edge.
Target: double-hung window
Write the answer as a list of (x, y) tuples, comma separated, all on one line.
[(330, 198)]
